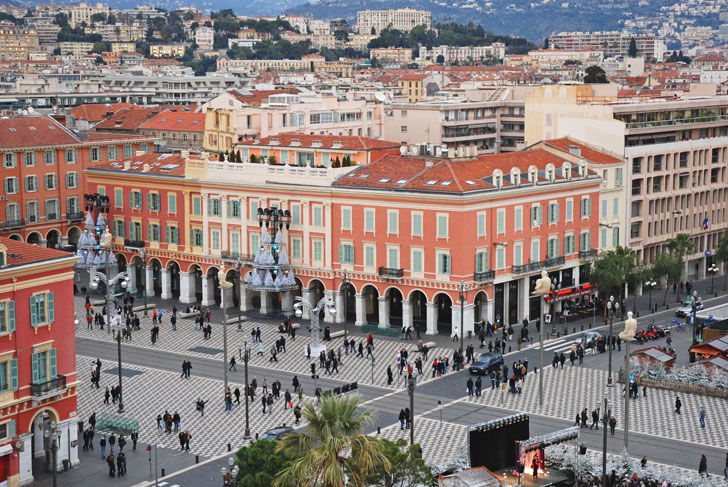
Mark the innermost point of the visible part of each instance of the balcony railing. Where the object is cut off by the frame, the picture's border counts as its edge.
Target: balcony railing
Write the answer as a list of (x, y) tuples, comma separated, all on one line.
[(391, 273), (676, 121), (587, 254), (44, 388), (484, 276), (73, 216), (12, 224), (537, 266), (228, 255), (135, 244)]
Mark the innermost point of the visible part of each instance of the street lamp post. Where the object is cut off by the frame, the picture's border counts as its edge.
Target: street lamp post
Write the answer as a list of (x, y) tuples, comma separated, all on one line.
[(246, 358), (224, 286), (143, 255), (612, 308), (650, 284), (713, 269), (229, 473), (411, 390), (693, 303), (605, 419), (463, 291), (121, 388), (626, 392), (54, 437)]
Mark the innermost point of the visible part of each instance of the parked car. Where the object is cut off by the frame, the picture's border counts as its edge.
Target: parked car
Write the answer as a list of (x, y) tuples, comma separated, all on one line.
[(486, 363), (277, 433), (590, 339), (686, 308)]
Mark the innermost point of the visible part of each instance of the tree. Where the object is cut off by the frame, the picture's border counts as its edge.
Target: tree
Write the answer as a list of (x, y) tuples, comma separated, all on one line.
[(99, 47), (61, 20), (222, 157), (272, 160), (408, 467), (373, 31), (98, 17), (440, 59), (336, 163), (333, 451), (189, 15), (632, 51), (616, 267), (595, 74), (253, 159), (669, 267), (681, 246), (546, 43), (341, 35), (721, 255), (259, 464)]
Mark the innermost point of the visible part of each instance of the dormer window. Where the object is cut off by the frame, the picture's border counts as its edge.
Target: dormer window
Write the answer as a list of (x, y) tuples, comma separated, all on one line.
[(550, 173), (516, 177), (533, 175), (582, 170), (498, 179), (566, 170), (3, 259)]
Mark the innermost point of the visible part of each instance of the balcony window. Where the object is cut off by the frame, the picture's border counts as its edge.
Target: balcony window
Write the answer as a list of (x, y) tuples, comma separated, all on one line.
[(657, 184), (683, 159), (634, 230), (636, 165), (657, 163), (636, 187), (684, 180)]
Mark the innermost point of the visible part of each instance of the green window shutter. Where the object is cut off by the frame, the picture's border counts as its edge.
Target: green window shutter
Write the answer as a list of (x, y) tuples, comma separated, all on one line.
[(284, 157), (51, 311), (14, 374), (486, 261), (341, 253), (11, 315), (558, 211), (192, 237), (35, 368), (589, 207), (12, 428), (52, 360), (131, 199), (540, 215), (557, 247), (131, 230), (149, 201), (166, 234), (173, 204), (33, 312)]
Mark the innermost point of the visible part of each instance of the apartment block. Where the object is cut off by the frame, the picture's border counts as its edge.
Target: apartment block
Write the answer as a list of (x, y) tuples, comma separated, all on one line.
[(375, 21), (167, 50), (16, 43), (611, 43)]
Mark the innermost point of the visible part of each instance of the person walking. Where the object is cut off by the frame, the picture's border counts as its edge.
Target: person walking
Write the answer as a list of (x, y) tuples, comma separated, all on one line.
[(678, 405), (702, 417), (725, 471), (134, 439), (289, 400), (612, 424), (263, 401), (112, 442), (390, 377), (478, 386), (232, 364), (121, 464), (122, 443), (469, 385), (102, 444), (703, 466), (107, 394), (595, 419), (297, 413), (112, 465)]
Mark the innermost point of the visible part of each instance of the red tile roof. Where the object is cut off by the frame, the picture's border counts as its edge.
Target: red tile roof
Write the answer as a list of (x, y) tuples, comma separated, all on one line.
[(413, 77), (256, 97), (348, 142), (29, 131), (159, 164), (113, 136), (127, 119), (97, 111), (398, 172), (20, 253), (187, 121), (588, 153)]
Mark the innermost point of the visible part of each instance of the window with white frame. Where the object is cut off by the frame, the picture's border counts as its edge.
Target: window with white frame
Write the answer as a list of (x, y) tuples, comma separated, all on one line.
[(392, 222), (31, 183), (480, 224), (369, 222), (586, 207), (112, 153), (295, 213), (585, 241), (418, 261), (95, 154), (30, 158), (73, 205), (318, 216), (569, 244), (49, 157), (318, 251), (442, 226), (481, 261), (11, 185), (128, 151), (444, 263), (346, 253), (518, 253), (393, 257), (9, 160), (615, 207), (296, 250), (41, 309), (569, 210), (52, 209), (501, 221), (552, 249), (71, 180), (12, 212), (417, 226), (553, 212), (51, 181), (536, 216), (215, 237), (535, 249), (500, 257), (370, 256), (518, 218), (71, 156), (346, 218), (32, 211)]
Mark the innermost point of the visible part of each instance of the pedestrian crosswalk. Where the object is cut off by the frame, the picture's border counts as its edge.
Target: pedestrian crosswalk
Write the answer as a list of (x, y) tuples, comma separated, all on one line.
[(558, 346), (189, 343)]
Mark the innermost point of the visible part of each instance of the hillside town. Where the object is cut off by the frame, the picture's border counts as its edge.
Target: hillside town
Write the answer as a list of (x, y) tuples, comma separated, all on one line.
[(396, 181)]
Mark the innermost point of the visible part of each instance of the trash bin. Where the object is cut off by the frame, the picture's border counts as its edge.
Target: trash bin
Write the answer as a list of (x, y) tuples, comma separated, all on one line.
[(66, 464)]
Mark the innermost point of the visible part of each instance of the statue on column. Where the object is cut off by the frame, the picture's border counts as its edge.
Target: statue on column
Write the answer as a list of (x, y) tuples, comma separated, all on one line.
[(630, 327), (543, 285)]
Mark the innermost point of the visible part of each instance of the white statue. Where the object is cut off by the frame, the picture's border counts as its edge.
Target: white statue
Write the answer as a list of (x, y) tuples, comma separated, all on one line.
[(543, 285), (630, 327)]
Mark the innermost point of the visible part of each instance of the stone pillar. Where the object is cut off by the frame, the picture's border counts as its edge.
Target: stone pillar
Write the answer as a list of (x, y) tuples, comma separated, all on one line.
[(149, 281), (383, 311), (166, 284), (26, 459), (208, 291), (468, 324), (187, 291), (131, 272), (576, 276), (306, 297), (246, 297), (287, 303), (407, 313), (227, 298), (431, 319), (360, 305), (340, 299), (523, 300), (328, 317), (265, 302), (702, 267)]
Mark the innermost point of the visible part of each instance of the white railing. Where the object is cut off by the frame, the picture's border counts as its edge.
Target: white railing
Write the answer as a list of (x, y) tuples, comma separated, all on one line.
[(245, 171)]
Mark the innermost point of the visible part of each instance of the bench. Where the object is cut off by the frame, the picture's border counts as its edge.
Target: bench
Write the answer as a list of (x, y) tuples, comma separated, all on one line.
[(116, 424), (191, 314), (235, 319), (142, 307), (98, 302), (296, 325), (430, 345), (337, 333)]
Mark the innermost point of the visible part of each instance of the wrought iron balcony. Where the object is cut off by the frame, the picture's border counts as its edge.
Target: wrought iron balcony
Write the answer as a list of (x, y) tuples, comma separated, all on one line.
[(135, 244), (537, 266), (484, 276), (73, 216), (236, 256), (391, 273), (12, 224), (587, 254), (42, 389)]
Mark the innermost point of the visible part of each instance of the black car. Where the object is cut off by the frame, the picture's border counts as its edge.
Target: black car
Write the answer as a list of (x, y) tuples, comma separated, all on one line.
[(276, 433), (486, 363)]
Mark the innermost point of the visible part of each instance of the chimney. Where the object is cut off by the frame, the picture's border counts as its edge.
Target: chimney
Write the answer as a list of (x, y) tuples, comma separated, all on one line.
[(145, 168), (185, 154), (575, 150), (428, 163), (127, 165), (140, 153)]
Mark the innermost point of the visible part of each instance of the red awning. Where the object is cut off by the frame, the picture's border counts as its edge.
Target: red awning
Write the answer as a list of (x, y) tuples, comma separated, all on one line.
[(570, 293)]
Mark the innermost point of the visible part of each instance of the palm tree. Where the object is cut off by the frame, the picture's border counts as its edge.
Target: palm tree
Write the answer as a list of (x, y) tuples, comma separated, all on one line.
[(333, 452), (681, 246)]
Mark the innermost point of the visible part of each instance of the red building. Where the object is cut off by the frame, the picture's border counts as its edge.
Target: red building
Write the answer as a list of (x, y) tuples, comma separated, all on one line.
[(42, 177), (38, 382), (406, 231)]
